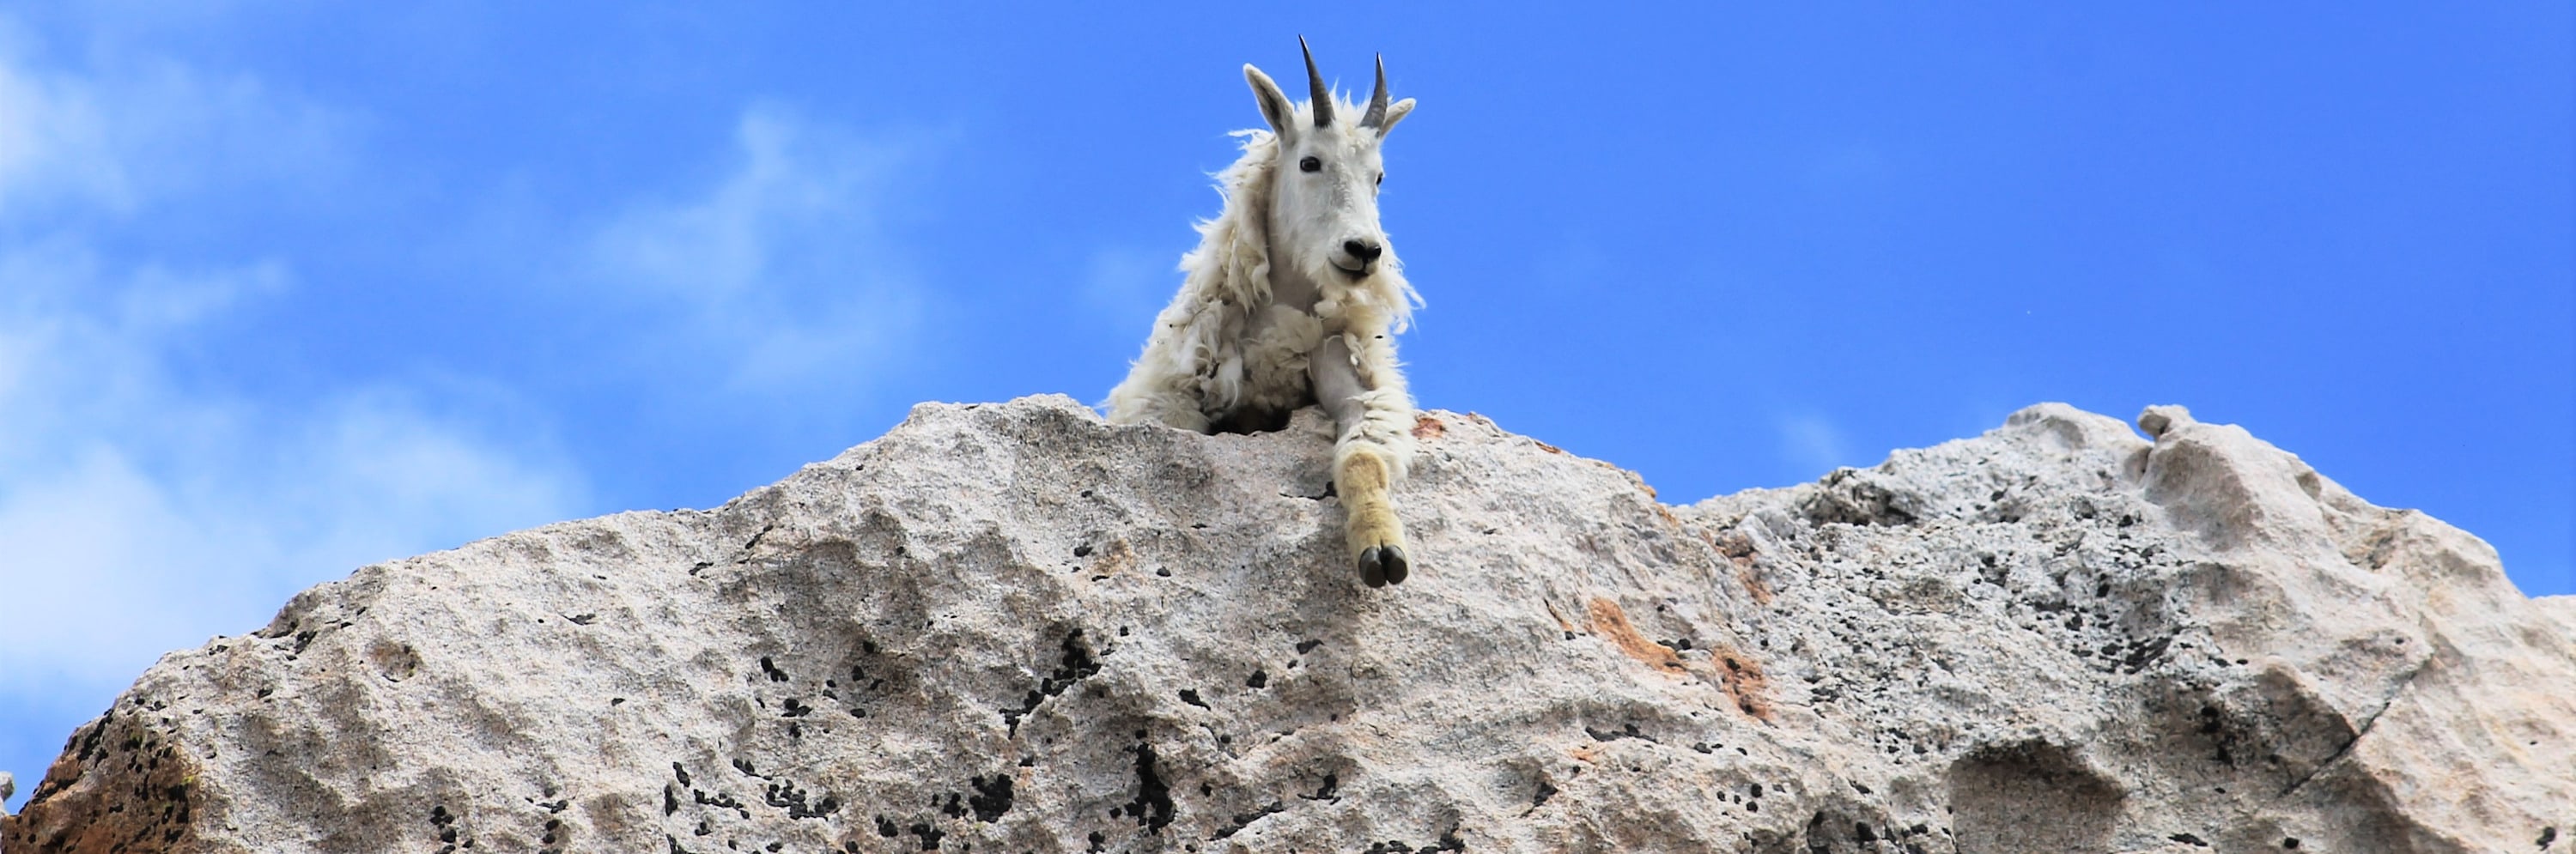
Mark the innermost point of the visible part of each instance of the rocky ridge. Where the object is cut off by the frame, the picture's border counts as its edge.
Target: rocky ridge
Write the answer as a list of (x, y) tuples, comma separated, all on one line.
[(1014, 627)]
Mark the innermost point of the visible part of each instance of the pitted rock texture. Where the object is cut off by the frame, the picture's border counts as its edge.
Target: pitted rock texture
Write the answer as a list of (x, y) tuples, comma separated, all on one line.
[(1017, 628)]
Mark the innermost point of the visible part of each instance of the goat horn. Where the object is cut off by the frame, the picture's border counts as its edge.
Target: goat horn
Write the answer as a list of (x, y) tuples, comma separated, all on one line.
[(1377, 100), (1323, 98)]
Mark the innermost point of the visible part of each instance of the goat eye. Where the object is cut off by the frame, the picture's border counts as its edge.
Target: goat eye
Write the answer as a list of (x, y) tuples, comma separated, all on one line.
[(1310, 165)]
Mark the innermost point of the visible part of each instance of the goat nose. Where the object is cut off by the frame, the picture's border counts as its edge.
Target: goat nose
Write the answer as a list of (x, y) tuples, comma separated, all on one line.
[(1365, 250)]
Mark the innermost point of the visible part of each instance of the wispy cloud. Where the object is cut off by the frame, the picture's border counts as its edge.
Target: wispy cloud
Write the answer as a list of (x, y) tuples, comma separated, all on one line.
[(1130, 284), (1811, 444), (140, 514), (112, 139), (781, 274), (145, 503)]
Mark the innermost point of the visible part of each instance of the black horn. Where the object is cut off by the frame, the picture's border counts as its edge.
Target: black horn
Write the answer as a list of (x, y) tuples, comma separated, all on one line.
[(1323, 98), (1377, 99)]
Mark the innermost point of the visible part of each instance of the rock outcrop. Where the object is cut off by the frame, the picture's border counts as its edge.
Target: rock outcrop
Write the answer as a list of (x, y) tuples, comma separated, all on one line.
[(1017, 628)]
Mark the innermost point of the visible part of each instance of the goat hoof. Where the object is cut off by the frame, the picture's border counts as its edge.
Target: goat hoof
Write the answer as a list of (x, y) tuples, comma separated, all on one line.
[(1383, 565)]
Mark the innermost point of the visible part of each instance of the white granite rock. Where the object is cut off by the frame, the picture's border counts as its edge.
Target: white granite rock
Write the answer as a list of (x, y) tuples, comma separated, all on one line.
[(1016, 628)]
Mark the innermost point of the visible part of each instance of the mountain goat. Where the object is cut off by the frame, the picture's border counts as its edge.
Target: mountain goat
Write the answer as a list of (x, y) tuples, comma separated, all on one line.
[(1290, 300)]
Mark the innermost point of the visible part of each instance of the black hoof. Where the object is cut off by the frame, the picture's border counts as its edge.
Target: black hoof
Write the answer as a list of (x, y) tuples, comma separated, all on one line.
[(1382, 565)]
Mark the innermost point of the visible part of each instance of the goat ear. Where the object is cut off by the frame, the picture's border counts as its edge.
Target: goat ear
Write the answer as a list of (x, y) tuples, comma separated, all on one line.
[(1274, 103), (1395, 112)]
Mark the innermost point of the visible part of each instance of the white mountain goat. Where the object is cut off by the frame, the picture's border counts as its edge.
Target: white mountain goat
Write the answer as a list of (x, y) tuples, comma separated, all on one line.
[(1290, 300)]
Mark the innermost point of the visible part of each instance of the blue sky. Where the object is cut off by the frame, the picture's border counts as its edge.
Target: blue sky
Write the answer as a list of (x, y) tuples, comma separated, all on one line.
[(286, 288)]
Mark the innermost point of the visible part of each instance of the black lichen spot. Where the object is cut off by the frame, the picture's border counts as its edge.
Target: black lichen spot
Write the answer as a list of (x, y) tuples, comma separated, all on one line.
[(1153, 805), (1625, 731), (2547, 835), (443, 823), (1397, 846), (929, 835), (2143, 653), (795, 708), (1245, 819), (1325, 792), (721, 801), (1857, 786), (785, 795), (670, 801), (1191, 696), (1076, 665), (89, 742), (680, 772), (584, 619), (1545, 791), (775, 674), (744, 766), (1308, 646), (2188, 839), (991, 799), (1260, 679), (2290, 842), (886, 828)]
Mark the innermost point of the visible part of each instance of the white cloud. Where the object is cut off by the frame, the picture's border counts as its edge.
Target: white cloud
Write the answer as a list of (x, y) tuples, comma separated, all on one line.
[(139, 514), (115, 138), (144, 506), (1811, 444), (1130, 284), (148, 501), (778, 276), (53, 142)]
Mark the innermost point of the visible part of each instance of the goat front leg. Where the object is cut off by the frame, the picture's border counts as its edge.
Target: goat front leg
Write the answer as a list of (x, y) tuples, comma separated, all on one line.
[(1373, 448)]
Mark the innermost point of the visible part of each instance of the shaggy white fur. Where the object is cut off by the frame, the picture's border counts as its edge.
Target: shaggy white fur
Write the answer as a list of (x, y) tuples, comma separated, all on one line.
[(1292, 299)]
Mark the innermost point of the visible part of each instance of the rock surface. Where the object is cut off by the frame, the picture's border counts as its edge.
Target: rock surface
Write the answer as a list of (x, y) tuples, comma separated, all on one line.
[(1016, 628)]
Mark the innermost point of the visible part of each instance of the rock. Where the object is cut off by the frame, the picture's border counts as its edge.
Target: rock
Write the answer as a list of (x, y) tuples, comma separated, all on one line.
[(8, 788), (1017, 628)]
